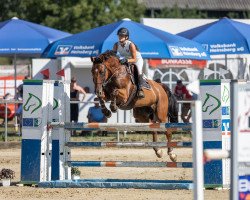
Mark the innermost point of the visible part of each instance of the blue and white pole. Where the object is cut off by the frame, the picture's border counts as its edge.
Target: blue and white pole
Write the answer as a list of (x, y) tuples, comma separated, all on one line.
[(36, 142), (61, 113), (215, 96)]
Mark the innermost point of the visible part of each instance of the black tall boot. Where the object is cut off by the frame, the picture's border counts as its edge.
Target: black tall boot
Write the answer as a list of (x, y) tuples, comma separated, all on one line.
[(140, 93)]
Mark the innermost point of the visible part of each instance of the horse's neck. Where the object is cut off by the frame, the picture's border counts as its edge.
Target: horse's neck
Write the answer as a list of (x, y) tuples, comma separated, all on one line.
[(115, 68)]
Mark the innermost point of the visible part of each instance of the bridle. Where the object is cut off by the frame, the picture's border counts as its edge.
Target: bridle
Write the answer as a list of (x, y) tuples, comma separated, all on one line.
[(105, 81)]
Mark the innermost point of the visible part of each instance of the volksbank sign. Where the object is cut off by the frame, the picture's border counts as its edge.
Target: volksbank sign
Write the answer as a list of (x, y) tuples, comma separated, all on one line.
[(230, 48)]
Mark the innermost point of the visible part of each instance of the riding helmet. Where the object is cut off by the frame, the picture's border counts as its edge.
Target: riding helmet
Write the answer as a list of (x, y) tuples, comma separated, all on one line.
[(123, 31)]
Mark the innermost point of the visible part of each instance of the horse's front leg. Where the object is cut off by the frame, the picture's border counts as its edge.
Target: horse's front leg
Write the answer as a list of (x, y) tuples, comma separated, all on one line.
[(158, 151), (105, 111), (113, 107), (171, 154)]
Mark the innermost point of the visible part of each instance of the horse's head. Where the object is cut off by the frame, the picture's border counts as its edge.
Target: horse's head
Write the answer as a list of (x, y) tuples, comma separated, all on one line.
[(102, 70)]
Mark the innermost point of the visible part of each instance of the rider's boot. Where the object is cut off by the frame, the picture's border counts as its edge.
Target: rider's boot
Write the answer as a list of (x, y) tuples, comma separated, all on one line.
[(140, 93)]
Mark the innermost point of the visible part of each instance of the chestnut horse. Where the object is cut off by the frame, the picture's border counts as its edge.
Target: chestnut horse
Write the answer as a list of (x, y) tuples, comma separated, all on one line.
[(115, 82)]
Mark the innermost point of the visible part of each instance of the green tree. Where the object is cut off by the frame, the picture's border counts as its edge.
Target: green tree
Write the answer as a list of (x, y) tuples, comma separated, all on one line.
[(177, 12), (72, 16)]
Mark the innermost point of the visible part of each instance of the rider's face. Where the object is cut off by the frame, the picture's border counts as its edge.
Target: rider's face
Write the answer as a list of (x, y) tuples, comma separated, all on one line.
[(122, 38)]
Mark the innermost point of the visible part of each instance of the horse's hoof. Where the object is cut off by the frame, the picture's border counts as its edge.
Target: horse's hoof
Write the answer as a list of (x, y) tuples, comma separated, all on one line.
[(108, 114), (159, 153), (113, 109), (173, 157)]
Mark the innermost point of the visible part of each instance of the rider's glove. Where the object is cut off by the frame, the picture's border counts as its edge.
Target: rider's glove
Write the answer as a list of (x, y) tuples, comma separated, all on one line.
[(124, 61)]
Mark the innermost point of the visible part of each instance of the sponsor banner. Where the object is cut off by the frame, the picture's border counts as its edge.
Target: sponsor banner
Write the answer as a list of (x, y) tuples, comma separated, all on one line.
[(28, 122), (63, 50), (32, 122), (20, 50), (244, 187), (177, 51), (225, 110), (167, 63), (210, 94), (211, 123), (243, 122), (224, 48), (225, 125)]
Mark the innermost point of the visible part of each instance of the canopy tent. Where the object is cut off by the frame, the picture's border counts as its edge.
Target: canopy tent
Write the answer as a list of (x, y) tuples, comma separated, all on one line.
[(153, 43), (25, 39), (224, 36)]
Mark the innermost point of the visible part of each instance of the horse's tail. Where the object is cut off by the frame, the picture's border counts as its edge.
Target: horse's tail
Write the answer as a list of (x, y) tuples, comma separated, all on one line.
[(172, 105)]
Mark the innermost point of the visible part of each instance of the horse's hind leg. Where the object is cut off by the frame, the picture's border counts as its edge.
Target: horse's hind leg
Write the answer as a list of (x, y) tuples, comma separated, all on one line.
[(143, 115), (162, 117), (171, 154), (158, 151)]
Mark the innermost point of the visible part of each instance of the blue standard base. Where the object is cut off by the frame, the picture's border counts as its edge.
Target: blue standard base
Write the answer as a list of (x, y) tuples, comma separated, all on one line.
[(120, 183)]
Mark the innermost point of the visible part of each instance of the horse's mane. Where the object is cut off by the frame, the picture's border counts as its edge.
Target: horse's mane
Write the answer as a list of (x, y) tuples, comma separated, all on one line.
[(109, 53), (105, 56)]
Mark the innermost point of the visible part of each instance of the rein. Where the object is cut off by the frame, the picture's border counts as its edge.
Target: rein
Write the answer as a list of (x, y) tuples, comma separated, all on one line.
[(105, 82)]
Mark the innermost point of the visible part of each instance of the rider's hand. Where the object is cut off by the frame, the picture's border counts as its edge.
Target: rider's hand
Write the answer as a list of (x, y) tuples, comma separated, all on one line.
[(124, 61)]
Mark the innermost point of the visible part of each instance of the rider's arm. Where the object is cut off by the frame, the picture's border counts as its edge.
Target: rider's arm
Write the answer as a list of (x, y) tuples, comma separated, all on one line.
[(81, 90), (115, 47), (133, 53)]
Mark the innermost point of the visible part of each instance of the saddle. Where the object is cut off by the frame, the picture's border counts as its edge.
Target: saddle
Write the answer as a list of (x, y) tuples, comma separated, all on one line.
[(136, 79)]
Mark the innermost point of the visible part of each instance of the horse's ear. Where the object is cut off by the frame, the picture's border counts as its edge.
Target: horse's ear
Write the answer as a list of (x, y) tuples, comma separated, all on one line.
[(93, 59)]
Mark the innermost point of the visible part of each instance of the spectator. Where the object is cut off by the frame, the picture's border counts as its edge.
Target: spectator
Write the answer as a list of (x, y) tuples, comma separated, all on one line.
[(87, 90), (75, 90), (19, 92), (95, 115), (182, 93), (10, 115)]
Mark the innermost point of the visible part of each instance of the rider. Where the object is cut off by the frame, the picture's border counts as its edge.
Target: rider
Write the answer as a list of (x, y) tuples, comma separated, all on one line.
[(129, 53)]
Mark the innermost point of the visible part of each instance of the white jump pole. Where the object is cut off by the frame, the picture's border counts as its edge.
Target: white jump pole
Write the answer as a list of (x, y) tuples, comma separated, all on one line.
[(215, 154), (197, 141)]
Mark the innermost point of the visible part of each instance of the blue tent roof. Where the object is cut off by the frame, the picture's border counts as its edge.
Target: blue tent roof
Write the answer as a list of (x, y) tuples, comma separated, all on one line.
[(25, 38), (224, 36), (153, 43)]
